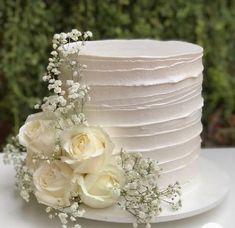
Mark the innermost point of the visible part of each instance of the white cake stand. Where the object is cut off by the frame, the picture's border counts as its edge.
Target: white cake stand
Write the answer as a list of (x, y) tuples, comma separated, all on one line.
[(209, 190)]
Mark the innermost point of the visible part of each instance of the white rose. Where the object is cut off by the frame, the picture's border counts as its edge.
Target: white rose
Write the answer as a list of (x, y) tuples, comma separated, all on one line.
[(53, 184), (38, 135), (85, 149), (101, 189)]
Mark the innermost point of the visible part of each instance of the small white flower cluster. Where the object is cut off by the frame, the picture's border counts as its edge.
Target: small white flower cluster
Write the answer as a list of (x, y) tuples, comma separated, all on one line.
[(76, 90), (24, 182), (141, 196), (14, 153), (74, 119), (68, 98), (74, 35), (68, 216)]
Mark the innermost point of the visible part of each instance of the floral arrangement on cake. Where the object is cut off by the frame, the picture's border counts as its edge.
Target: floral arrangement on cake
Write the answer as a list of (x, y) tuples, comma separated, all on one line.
[(66, 163)]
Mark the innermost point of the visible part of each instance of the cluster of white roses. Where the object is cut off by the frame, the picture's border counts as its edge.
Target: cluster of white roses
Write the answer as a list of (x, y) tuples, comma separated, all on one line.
[(67, 161), (83, 166)]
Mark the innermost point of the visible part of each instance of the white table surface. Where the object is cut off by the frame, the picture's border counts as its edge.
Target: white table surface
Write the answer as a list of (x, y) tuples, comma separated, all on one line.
[(14, 212)]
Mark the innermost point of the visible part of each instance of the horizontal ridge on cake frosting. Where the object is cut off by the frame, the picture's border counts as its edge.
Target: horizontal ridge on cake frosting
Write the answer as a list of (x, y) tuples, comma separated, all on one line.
[(147, 95), (125, 92), (107, 65)]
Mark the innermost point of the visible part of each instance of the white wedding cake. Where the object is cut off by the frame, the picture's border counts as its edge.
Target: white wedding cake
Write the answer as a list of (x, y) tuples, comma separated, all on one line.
[(147, 95), (145, 100)]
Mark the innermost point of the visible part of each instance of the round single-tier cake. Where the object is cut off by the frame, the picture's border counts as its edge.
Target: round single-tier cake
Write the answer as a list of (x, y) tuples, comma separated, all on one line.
[(147, 95)]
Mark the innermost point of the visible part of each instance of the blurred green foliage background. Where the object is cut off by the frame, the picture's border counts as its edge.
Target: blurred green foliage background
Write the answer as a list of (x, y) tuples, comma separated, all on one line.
[(27, 27)]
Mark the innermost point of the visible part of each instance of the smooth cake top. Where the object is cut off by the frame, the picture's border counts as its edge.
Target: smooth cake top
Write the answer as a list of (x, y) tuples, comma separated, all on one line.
[(138, 48)]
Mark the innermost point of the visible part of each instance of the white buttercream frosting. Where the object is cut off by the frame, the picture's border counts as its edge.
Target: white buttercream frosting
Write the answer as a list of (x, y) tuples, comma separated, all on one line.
[(147, 95)]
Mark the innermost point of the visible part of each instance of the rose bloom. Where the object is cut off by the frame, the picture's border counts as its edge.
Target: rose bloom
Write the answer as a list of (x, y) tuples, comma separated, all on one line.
[(101, 189), (53, 184), (38, 136), (85, 149)]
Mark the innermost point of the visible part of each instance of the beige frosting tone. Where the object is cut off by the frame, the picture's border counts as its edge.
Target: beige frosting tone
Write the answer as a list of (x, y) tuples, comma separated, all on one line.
[(147, 95)]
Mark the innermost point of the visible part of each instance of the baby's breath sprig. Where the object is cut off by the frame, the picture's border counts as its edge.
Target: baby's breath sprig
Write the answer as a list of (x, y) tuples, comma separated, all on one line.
[(171, 195), (68, 216), (14, 153), (68, 97), (24, 182), (140, 195)]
